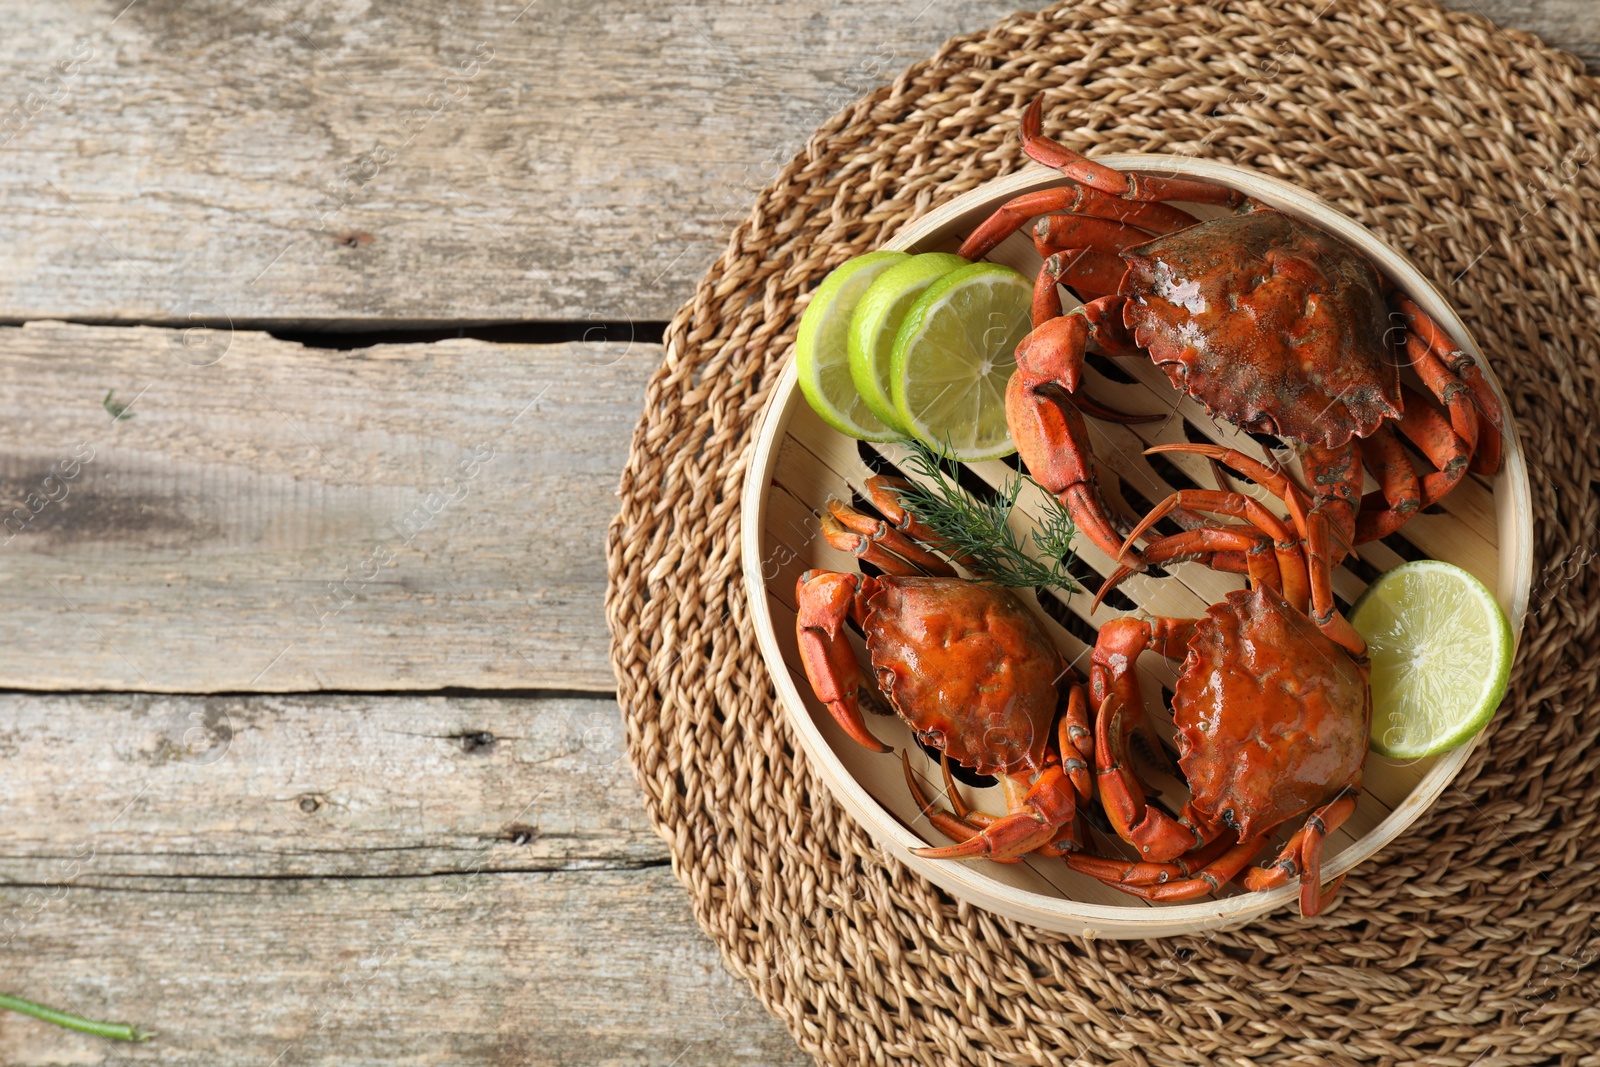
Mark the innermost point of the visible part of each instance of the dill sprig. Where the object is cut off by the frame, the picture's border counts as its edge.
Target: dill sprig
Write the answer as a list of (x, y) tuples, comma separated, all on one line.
[(977, 532)]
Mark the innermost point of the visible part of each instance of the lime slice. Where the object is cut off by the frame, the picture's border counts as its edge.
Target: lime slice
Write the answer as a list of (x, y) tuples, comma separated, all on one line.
[(954, 355), (822, 347), (877, 320), (1441, 652)]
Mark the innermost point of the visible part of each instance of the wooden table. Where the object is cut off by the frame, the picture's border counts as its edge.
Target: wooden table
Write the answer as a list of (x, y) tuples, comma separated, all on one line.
[(327, 325)]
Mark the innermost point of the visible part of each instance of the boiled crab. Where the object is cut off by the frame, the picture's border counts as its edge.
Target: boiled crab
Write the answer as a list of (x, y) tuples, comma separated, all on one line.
[(965, 664), (1270, 323), (1271, 717)]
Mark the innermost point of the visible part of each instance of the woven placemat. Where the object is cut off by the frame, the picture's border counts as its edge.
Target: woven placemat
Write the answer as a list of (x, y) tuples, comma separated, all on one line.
[(1473, 940)]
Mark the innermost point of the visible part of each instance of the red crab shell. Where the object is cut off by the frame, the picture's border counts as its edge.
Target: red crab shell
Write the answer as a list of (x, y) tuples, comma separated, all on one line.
[(1272, 715), (1270, 323), (968, 666)]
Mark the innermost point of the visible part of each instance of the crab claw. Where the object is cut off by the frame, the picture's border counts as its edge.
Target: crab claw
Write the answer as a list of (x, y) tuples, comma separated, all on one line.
[(1037, 816), (1050, 433), (825, 600)]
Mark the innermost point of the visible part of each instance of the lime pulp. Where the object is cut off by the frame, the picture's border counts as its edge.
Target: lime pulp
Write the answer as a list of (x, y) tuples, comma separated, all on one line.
[(953, 357), (1440, 649), (877, 322)]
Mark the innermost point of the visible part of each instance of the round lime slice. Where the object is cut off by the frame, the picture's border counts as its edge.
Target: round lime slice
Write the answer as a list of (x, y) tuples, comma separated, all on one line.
[(822, 347), (877, 321), (1441, 653), (954, 355)]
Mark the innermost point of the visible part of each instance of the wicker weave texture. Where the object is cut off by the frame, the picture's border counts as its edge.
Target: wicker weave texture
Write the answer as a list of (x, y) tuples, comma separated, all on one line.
[(1473, 941)]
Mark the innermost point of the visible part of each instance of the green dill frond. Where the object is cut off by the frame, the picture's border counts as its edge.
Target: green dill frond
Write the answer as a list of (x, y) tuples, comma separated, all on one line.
[(977, 534)]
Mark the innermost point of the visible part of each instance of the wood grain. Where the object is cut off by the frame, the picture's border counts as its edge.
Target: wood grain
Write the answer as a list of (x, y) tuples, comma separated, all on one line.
[(557, 968), (349, 166), (285, 519), (352, 880), (346, 165), (308, 786)]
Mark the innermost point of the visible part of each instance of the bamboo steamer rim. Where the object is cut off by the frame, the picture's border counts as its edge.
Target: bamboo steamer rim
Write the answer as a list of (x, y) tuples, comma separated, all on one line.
[(967, 880)]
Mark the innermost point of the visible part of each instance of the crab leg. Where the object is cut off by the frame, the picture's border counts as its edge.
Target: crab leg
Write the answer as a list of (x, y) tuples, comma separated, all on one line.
[(1231, 560), (1089, 271), (1102, 316), (1209, 880), (1114, 682), (950, 823), (1326, 527), (1434, 435), (1049, 431), (1274, 481), (878, 543), (883, 490), (1017, 212), (957, 805), (1102, 324), (1146, 872), (1330, 533), (1096, 410), (1075, 739), (1399, 493), (1098, 176), (825, 600), (1449, 448), (1057, 233), (964, 824), (1049, 329), (1035, 815), (1290, 565), (1486, 460), (1206, 544), (1066, 840), (1302, 855), (1451, 391), (1106, 327)]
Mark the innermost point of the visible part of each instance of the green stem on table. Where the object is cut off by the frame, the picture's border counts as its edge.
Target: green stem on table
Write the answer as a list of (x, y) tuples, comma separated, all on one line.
[(115, 1031)]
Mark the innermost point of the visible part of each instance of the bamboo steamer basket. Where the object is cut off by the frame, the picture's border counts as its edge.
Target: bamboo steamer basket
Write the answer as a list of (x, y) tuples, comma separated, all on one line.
[(799, 463)]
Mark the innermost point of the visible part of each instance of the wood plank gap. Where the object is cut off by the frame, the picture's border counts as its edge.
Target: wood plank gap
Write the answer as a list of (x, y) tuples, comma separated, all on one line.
[(344, 337), (454, 692)]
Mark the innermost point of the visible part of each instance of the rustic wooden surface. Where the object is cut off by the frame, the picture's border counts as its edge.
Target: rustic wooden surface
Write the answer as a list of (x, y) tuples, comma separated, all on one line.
[(489, 160), (311, 859), (351, 880), (290, 518)]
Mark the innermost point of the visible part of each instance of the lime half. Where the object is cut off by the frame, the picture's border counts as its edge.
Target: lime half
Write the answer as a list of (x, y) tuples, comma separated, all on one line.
[(822, 347), (954, 355), (877, 321), (1441, 653)]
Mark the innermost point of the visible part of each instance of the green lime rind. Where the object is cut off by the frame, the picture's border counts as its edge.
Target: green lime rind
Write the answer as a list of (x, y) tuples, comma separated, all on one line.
[(1441, 650), (877, 322), (954, 356), (822, 348)]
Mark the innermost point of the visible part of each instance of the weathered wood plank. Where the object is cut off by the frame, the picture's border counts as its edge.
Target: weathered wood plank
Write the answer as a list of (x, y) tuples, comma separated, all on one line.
[(289, 519), (318, 162), (1565, 24), (305, 785), (444, 896), (601, 967), (321, 162)]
